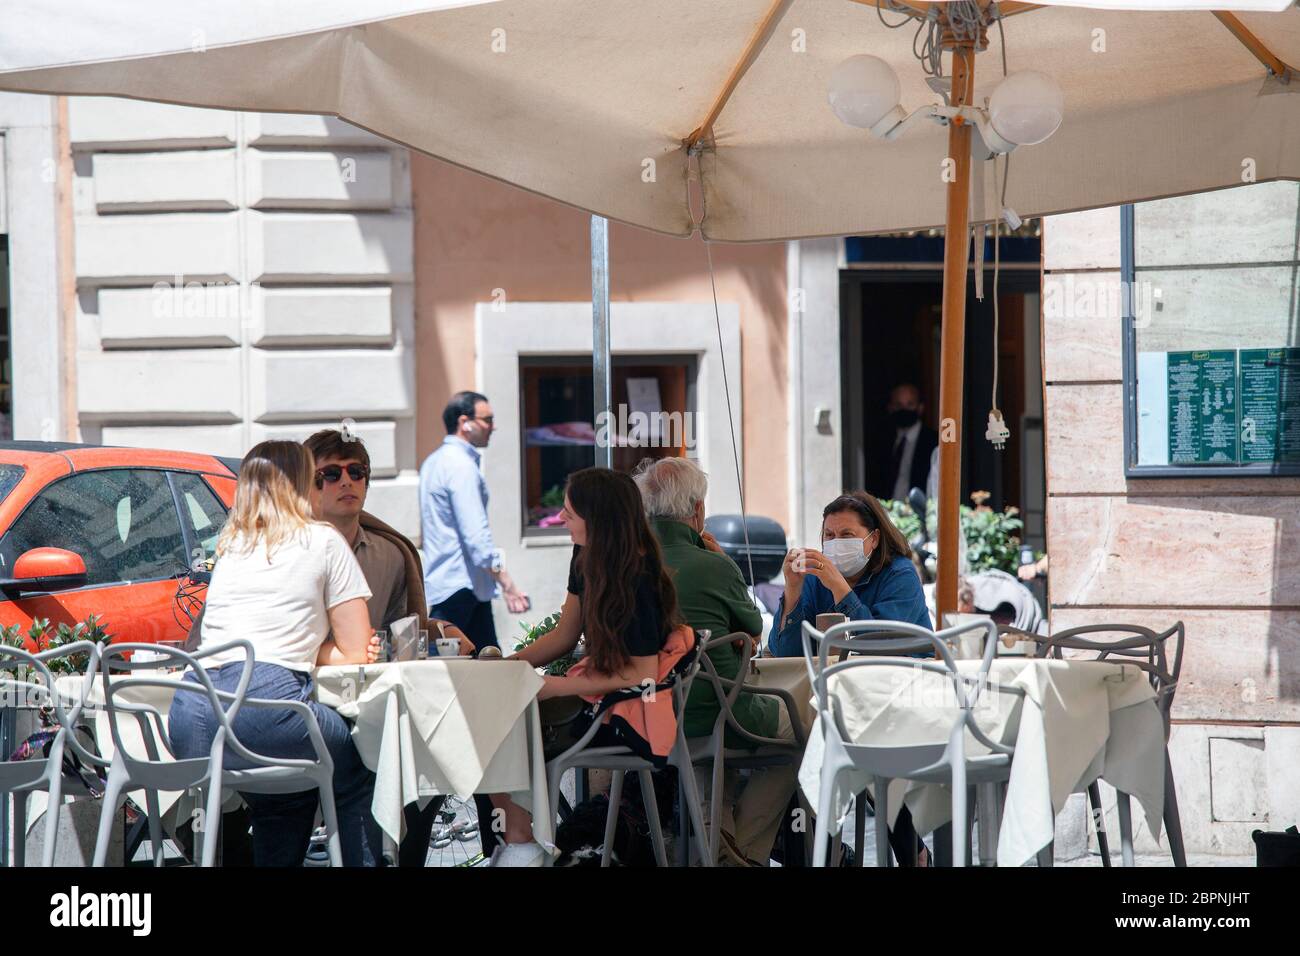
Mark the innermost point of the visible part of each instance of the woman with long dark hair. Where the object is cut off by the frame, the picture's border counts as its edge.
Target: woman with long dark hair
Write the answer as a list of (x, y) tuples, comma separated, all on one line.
[(621, 598)]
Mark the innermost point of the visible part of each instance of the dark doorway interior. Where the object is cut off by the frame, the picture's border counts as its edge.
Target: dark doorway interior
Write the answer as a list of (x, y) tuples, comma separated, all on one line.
[(891, 325)]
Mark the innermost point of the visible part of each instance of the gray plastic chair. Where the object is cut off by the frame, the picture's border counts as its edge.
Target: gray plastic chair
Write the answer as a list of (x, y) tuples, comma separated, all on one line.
[(713, 749), (32, 679), (159, 770), (879, 642), (621, 760), (1148, 651), (940, 762)]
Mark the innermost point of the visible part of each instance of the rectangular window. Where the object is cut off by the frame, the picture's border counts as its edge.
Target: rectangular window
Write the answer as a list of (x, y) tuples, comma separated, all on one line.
[(653, 416), (1211, 341)]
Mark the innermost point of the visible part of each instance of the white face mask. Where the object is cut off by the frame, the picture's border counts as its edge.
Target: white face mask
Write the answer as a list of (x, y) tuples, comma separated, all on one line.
[(847, 554)]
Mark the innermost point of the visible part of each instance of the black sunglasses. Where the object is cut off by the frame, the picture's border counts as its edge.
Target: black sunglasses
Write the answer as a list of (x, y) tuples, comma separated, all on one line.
[(332, 473)]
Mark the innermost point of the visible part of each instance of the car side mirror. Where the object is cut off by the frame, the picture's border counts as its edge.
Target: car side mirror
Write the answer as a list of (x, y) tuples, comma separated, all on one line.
[(47, 569)]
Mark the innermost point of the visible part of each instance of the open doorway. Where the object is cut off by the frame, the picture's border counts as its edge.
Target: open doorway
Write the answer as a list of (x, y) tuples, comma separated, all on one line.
[(891, 293)]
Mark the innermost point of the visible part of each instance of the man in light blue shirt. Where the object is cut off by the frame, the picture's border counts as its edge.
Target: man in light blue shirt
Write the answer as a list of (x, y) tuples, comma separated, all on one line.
[(462, 566)]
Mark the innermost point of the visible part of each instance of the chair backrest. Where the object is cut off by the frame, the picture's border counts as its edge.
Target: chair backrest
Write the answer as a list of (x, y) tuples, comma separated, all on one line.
[(726, 698), (225, 705), (1160, 655), (967, 688), (33, 684)]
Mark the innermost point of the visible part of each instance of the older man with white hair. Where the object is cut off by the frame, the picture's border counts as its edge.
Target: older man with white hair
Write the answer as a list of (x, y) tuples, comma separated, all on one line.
[(712, 595)]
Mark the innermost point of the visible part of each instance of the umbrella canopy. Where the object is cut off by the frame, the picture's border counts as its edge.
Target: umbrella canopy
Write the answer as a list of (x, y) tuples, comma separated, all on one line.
[(590, 102)]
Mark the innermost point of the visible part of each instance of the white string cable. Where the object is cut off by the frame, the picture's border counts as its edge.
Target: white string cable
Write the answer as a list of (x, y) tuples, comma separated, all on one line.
[(722, 362), (731, 422)]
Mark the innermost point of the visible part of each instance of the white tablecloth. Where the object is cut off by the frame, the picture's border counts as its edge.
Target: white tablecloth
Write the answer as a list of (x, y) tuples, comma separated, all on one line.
[(426, 728), (1077, 721), (444, 727), (789, 674)]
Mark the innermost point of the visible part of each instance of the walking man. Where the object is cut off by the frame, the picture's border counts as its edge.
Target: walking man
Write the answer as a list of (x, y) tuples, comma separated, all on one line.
[(462, 566)]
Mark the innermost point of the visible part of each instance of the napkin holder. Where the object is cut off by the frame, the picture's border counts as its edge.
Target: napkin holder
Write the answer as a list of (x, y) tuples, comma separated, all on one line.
[(404, 633)]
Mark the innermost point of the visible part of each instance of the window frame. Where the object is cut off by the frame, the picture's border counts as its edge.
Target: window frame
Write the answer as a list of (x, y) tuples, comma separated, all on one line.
[(1128, 274), (116, 582), (688, 361)]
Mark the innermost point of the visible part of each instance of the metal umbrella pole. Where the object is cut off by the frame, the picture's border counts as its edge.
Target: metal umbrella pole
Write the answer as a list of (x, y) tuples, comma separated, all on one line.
[(956, 250), (600, 366)]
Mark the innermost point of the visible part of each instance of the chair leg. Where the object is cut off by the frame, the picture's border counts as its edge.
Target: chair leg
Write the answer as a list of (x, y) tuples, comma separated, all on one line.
[(155, 826), (687, 776), (683, 827), (987, 806), (52, 811), (652, 816), (108, 812), (20, 827), (882, 823), (960, 841), (1173, 824), (1099, 821), (330, 815), (716, 795), (821, 825), (859, 827), (1125, 809), (611, 817)]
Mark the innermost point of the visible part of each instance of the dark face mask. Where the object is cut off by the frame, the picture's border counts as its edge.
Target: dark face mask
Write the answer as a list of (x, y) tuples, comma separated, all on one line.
[(903, 417)]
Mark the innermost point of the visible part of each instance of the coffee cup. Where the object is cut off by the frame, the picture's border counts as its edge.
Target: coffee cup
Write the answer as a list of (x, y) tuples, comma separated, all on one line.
[(448, 647)]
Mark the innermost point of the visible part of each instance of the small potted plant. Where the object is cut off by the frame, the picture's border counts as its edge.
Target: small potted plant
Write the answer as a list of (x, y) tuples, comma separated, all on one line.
[(532, 632)]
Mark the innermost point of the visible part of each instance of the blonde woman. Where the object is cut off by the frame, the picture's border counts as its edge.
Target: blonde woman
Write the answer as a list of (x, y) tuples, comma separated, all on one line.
[(292, 587)]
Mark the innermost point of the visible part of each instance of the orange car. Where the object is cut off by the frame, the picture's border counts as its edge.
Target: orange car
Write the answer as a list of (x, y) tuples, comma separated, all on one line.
[(112, 532)]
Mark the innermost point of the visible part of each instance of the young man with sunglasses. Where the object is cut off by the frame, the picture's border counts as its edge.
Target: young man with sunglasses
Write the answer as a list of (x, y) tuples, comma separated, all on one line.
[(462, 566), (392, 569)]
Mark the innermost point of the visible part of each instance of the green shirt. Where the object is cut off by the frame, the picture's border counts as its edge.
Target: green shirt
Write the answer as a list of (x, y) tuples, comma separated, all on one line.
[(711, 595)]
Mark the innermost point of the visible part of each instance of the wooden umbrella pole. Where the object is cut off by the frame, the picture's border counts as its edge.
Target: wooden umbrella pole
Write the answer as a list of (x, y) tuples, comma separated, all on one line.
[(956, 249)]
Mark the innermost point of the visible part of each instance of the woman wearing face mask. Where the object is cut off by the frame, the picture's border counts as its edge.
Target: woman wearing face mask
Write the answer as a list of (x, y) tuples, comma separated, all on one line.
[(863, 571)]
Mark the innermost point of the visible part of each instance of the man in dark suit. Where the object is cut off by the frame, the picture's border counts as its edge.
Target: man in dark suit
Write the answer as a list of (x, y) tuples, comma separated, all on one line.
[(908, 444)]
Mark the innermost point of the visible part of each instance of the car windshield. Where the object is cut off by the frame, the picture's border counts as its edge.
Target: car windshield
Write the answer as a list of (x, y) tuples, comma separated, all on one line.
[(10, 475)]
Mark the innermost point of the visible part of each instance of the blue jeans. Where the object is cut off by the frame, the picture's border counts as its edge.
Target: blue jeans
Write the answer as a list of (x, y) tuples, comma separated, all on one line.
[(282, 823)]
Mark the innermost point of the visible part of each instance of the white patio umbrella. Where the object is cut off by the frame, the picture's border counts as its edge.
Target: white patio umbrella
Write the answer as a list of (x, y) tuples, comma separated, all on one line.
[(609, 104)]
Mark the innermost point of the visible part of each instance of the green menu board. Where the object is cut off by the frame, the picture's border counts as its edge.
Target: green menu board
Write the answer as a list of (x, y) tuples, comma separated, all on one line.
[(1203, 408), (1270, 405)]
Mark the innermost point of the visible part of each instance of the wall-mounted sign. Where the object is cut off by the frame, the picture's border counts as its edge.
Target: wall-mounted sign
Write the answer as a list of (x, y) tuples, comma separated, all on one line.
[(1203, 412)]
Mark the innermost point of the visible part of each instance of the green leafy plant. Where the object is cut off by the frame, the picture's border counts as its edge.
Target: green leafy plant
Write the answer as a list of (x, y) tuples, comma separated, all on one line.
[(45, 637), (557, 668), (553, 497), (992, 537), (12, 636), (91, 629)]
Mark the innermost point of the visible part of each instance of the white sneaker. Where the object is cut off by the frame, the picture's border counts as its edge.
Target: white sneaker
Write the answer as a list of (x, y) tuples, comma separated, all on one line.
[(519, 854)]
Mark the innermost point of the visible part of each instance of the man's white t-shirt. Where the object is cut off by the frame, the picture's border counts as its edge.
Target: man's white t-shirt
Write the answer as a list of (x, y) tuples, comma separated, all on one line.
[(281, 604)]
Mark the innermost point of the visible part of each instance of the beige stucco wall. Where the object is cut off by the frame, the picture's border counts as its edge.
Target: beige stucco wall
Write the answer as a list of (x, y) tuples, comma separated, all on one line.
[(1221, 554), (474, 235)]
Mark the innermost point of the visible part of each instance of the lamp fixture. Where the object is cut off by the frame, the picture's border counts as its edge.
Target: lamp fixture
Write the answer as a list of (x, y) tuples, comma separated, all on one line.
[(1024, 110)]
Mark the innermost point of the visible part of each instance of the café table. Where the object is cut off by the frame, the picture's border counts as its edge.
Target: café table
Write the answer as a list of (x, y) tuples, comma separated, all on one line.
[(444, 726), (1075, 722), (426, 728)]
